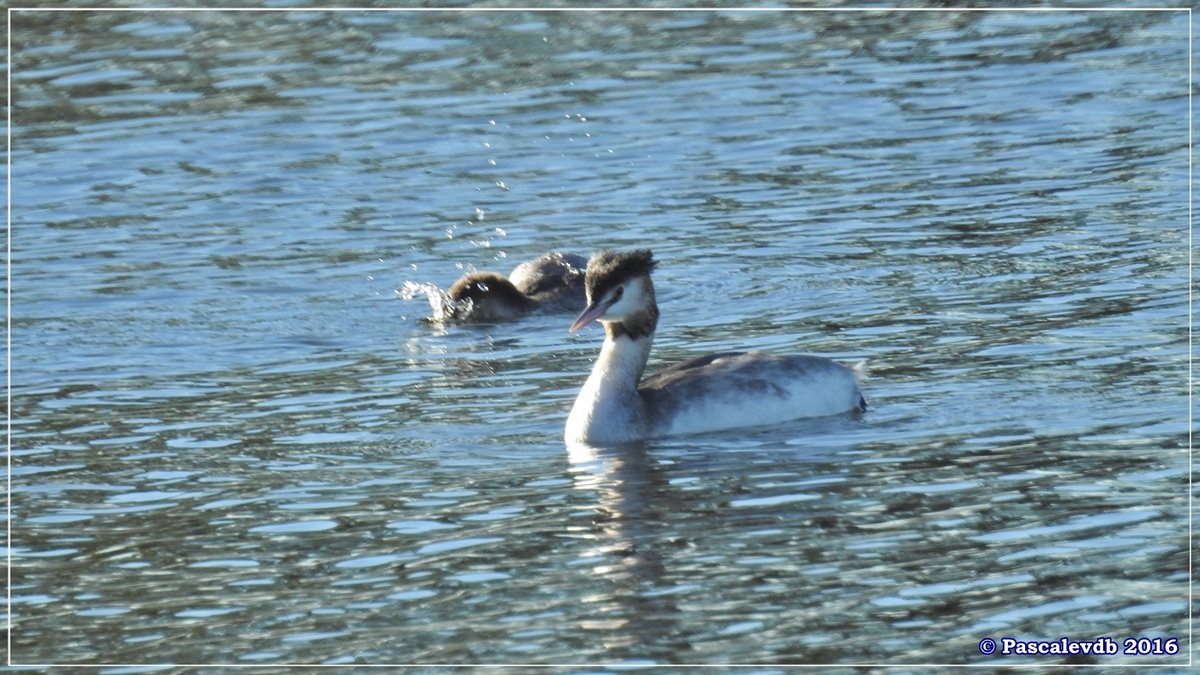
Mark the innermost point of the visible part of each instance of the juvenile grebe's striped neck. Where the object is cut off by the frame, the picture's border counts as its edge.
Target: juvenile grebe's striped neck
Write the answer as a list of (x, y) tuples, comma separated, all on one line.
[(635, 326)]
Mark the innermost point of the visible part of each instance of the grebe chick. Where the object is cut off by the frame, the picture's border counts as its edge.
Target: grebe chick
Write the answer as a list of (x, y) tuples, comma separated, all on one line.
[(551, 282), (708, 393)]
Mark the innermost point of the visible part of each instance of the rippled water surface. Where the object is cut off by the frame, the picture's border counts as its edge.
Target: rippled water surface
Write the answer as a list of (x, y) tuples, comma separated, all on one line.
[(234, 442)]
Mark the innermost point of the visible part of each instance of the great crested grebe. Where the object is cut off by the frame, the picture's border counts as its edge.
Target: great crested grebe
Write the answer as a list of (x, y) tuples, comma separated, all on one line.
[(707, 393), (551, 282)]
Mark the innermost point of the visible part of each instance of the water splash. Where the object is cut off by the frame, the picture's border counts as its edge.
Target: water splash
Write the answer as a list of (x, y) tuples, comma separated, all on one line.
[(443, 308)]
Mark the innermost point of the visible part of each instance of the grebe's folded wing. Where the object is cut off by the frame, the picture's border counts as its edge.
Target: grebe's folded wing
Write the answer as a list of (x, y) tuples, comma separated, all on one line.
[(553, 277), (729, 390), (549, 271)]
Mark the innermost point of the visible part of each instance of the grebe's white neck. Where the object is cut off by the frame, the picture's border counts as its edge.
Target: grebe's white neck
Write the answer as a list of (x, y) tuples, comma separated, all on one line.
[(609, 408)]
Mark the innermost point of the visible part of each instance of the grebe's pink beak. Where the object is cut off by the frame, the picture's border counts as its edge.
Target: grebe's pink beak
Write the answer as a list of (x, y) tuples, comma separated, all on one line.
[(593, 312)]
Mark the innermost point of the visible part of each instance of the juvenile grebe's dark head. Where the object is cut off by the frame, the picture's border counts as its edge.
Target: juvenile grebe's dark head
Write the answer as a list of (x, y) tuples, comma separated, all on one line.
[(620, 294), (487, 296)]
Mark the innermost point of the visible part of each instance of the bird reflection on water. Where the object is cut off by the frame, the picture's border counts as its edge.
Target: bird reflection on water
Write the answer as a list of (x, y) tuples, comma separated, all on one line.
[(630, 533)]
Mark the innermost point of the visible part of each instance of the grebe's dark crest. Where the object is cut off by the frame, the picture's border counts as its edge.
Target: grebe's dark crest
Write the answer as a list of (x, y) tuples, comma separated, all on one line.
[(608, 270)]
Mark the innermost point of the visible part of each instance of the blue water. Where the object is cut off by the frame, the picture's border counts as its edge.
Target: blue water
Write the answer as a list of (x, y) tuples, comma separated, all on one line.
[(235, 442)]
